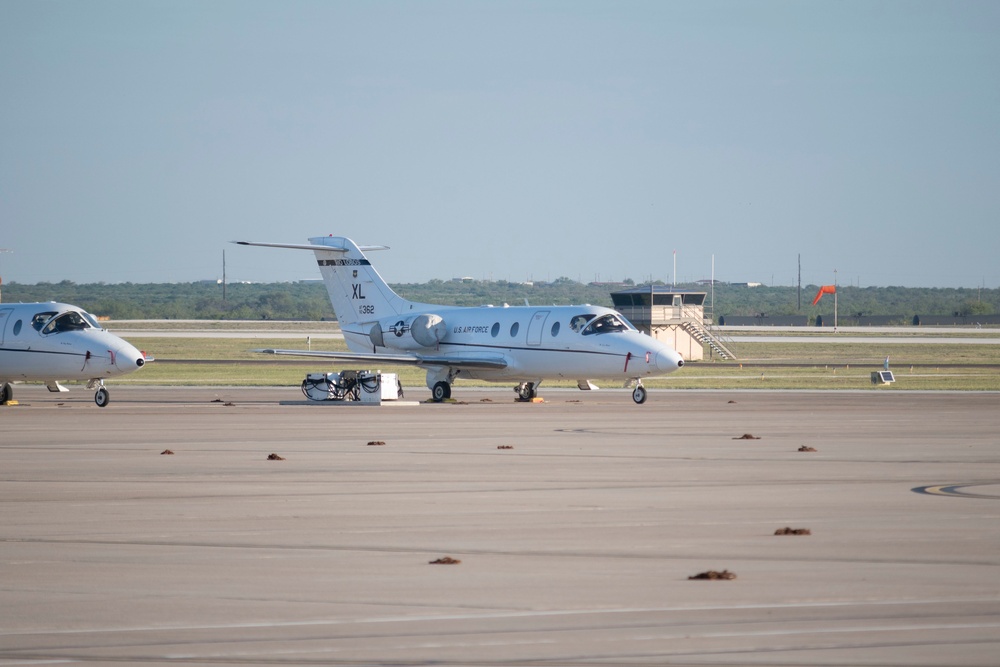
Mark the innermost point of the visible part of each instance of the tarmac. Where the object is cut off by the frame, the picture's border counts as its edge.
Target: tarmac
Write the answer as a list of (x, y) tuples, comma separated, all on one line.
[(577, 523)]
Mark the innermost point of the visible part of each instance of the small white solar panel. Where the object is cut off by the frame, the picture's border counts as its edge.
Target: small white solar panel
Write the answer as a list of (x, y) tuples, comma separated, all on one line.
[(882, 377)]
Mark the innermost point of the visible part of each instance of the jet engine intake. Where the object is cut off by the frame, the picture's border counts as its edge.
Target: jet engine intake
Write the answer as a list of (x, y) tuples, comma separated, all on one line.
[(428, 329)]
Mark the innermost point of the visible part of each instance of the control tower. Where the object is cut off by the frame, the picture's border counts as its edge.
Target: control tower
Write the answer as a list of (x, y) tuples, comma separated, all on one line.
[(676, 317)]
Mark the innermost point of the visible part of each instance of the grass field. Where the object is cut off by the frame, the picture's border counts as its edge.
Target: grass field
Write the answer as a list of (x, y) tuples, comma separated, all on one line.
[(775, 365)]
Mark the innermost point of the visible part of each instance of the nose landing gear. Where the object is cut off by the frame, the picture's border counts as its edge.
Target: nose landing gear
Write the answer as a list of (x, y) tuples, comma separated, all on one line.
[(639, 394), (102, 396)]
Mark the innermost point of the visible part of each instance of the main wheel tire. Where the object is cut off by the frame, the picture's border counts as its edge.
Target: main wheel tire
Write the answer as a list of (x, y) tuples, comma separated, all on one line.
[(102, 397), (526, 391), (441, 391), (639, 394), (6, 393)]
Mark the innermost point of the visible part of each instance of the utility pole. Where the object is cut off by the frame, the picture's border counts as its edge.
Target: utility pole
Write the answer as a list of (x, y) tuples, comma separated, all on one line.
[(223, 276), (835, 300), (800, 282)]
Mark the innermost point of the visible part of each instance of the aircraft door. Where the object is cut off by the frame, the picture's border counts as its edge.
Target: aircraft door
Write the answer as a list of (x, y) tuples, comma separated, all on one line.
[(4, 317), (536, 326)]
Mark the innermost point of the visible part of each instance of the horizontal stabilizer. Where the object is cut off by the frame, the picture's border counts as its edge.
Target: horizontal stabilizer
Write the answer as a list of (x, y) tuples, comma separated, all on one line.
[(307, 246)]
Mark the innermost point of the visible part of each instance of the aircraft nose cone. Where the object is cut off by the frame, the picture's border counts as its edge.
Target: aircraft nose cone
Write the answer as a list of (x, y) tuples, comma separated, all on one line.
[(128, 358), (668, 361)]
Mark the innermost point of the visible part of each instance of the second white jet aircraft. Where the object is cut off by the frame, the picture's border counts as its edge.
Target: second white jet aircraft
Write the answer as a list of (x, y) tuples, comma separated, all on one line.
[(524, 344), (49, 342)]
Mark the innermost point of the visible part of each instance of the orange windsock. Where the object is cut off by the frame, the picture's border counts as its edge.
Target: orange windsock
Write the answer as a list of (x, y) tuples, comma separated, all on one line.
[(825, 289)]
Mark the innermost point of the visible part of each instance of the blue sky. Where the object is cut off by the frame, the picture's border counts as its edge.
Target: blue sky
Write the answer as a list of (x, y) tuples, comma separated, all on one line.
[(503, 140)]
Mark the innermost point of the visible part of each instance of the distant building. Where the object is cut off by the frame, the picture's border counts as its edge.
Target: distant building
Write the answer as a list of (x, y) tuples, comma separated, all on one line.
[(676, 317)]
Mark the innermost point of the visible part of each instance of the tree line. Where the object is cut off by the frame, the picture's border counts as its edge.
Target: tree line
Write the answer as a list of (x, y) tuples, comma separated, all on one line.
[(307, 300)]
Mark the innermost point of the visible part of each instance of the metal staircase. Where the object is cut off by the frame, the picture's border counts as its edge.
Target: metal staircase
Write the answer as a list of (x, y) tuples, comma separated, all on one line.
[(706, 336)]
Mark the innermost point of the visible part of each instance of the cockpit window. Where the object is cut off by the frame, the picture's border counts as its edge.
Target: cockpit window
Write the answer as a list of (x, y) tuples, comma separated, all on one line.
[(90, 318), (609, 323), (39, 320), (577, 322), (71, 321)]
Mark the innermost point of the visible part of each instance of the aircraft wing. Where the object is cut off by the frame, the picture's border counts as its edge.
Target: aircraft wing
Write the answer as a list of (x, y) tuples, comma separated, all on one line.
[(480, 361)]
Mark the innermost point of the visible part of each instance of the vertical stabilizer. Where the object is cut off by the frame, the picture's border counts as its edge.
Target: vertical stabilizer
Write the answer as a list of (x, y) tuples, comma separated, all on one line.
[(360, 298), (357, 292)]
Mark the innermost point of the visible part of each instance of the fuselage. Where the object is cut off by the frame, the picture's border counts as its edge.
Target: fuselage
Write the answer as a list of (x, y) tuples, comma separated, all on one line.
[(53, 341), (577, 342)]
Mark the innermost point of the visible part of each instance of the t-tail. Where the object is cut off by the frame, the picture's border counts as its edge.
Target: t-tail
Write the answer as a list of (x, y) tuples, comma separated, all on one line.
[(358, 293)]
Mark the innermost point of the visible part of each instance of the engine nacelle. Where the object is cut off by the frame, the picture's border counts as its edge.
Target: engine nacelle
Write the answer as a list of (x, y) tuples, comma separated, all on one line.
[(428, 329), (409, 333)]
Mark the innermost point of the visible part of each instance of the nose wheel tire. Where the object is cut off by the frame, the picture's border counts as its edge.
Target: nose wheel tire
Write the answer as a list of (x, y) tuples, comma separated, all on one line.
[(102, 397), (441, 391), (639, 394)]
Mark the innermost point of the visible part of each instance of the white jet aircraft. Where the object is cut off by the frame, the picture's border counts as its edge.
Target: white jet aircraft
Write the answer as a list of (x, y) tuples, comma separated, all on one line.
[(523, 344), (51, 341)]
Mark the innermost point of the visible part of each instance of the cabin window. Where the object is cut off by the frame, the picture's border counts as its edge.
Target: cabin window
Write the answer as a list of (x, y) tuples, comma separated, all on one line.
[(555, 329), (607, 324), (513, 329), (17, 327), (495, 330)]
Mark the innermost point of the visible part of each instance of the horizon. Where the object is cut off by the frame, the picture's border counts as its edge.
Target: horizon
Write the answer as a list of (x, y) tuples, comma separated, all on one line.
[(688, 286)]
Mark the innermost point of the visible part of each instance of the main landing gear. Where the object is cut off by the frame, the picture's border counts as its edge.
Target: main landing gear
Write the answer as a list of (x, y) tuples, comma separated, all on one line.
[(441, 391), (526, 391), (439, 382), (6, 392)]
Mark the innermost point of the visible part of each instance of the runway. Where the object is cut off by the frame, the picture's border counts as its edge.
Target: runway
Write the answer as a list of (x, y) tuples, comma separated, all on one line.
[(577, 523)]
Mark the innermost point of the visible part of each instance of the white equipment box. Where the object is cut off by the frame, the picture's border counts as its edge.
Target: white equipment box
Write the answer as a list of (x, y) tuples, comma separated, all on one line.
[(369, 387)]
